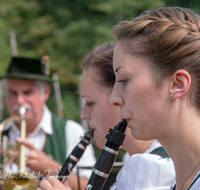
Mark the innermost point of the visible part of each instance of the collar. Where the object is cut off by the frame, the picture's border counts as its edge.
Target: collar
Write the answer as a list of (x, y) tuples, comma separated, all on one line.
[(45, 123), (154, 145)]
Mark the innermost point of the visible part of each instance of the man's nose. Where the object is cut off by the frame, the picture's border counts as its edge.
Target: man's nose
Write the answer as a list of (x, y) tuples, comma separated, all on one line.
[(21, 99)]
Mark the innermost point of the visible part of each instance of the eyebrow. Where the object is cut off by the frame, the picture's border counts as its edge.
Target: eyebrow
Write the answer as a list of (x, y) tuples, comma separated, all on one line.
[(83, 96), (117, 69)]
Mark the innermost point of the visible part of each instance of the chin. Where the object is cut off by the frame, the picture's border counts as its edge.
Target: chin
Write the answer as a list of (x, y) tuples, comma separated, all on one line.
[(141, 136), (136, 135), (100, 145)]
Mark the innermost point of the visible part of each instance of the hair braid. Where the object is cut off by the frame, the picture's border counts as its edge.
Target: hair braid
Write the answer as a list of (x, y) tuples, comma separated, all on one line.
[(170, 37)]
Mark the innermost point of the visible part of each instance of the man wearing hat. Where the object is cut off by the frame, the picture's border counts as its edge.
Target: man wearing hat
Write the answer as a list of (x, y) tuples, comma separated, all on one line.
[(47, 136)]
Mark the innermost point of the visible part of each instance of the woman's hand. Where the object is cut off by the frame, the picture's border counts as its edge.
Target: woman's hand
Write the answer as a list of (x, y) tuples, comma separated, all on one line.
[(52, 183)]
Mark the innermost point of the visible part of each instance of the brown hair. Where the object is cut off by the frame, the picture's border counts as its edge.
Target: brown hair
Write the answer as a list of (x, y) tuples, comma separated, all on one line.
[(101, 60), (170, 37)]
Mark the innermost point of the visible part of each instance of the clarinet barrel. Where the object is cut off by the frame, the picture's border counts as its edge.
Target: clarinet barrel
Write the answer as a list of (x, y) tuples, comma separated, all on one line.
[(105, 161), (63, 173)]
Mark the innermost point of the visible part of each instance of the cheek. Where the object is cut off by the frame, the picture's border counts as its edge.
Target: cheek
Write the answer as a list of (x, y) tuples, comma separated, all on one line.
[(136, 107), (101, 131), (101, 128), (139, 97), (9, 107), (36, 104), (9, 104), (10, 99), (104, 124), (35, 100)]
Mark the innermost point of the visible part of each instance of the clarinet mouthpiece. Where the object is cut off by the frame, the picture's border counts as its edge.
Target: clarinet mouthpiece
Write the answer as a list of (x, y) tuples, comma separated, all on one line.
[(121, 126), (90, 133)]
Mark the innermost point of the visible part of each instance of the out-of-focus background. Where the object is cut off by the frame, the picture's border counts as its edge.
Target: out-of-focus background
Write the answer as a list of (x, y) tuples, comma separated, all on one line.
[(66, 30)]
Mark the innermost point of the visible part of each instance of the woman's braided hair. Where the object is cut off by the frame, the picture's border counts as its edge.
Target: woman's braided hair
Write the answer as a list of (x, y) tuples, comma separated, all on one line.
[(170, 37)]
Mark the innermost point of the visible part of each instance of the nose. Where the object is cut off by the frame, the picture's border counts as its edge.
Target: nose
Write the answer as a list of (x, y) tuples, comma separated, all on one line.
[(85, 114), (20, 99), (115, 99)]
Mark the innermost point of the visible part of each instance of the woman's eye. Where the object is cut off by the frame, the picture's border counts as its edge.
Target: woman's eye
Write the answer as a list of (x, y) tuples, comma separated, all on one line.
[(89, 103), (122, 81)]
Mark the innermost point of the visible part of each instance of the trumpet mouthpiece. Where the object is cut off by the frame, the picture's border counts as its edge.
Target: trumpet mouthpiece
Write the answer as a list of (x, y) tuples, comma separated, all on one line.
[(22, 111)]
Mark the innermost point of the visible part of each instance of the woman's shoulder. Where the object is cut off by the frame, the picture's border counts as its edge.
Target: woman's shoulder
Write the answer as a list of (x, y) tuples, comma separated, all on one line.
[(149, 163), (149, 160), (150, 168)]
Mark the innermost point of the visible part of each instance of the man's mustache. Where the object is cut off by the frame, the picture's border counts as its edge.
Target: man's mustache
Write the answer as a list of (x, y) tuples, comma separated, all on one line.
[(26, 106)]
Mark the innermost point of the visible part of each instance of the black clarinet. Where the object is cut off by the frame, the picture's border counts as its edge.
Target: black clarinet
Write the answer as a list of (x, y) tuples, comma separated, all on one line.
[(105, 161), (63, 172)]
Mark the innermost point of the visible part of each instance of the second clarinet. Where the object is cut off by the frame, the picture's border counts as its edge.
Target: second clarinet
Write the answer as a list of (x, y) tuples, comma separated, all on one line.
[(63, 172)]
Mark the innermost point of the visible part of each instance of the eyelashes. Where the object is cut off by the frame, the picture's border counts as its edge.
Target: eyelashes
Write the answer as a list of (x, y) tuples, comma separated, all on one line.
[(89, 103), (122, 81)]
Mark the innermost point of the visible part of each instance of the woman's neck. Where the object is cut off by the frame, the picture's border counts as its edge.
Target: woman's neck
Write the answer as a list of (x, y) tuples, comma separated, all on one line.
[(182, 143)]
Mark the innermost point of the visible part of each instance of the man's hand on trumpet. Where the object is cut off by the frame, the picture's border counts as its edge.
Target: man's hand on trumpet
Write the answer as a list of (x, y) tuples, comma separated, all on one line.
[(37, 160)]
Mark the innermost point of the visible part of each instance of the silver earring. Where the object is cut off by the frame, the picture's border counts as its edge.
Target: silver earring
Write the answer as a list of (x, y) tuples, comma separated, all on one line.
[(172, 95)]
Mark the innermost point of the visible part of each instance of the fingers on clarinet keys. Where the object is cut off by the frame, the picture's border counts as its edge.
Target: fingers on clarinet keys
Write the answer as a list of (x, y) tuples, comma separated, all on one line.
[(70, 166), (57, 171), (61, 178), (88, 187)]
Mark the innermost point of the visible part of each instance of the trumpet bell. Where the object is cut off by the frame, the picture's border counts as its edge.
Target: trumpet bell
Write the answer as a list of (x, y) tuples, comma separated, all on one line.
[(20, 182)]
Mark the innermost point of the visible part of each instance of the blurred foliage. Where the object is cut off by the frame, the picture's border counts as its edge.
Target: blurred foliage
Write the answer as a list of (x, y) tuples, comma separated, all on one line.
[(69, 98), (192, 4), (64, 30)]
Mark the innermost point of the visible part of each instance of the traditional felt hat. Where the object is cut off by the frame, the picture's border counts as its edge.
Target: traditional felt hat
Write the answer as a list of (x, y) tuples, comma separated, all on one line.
[(29, 69)]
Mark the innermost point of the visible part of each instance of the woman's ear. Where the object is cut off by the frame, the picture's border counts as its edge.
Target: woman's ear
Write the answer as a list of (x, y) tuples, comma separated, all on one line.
[(181, 82)]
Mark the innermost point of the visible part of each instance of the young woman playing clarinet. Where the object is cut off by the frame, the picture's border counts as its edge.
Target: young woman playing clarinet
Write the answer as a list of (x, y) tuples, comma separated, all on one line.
[(157, 67)]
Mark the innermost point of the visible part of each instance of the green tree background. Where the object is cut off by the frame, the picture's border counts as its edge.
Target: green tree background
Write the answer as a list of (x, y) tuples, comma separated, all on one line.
[(66, 31)]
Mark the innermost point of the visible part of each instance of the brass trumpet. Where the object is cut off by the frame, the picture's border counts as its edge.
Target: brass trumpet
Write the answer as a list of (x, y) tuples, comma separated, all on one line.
[(21, 180)]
